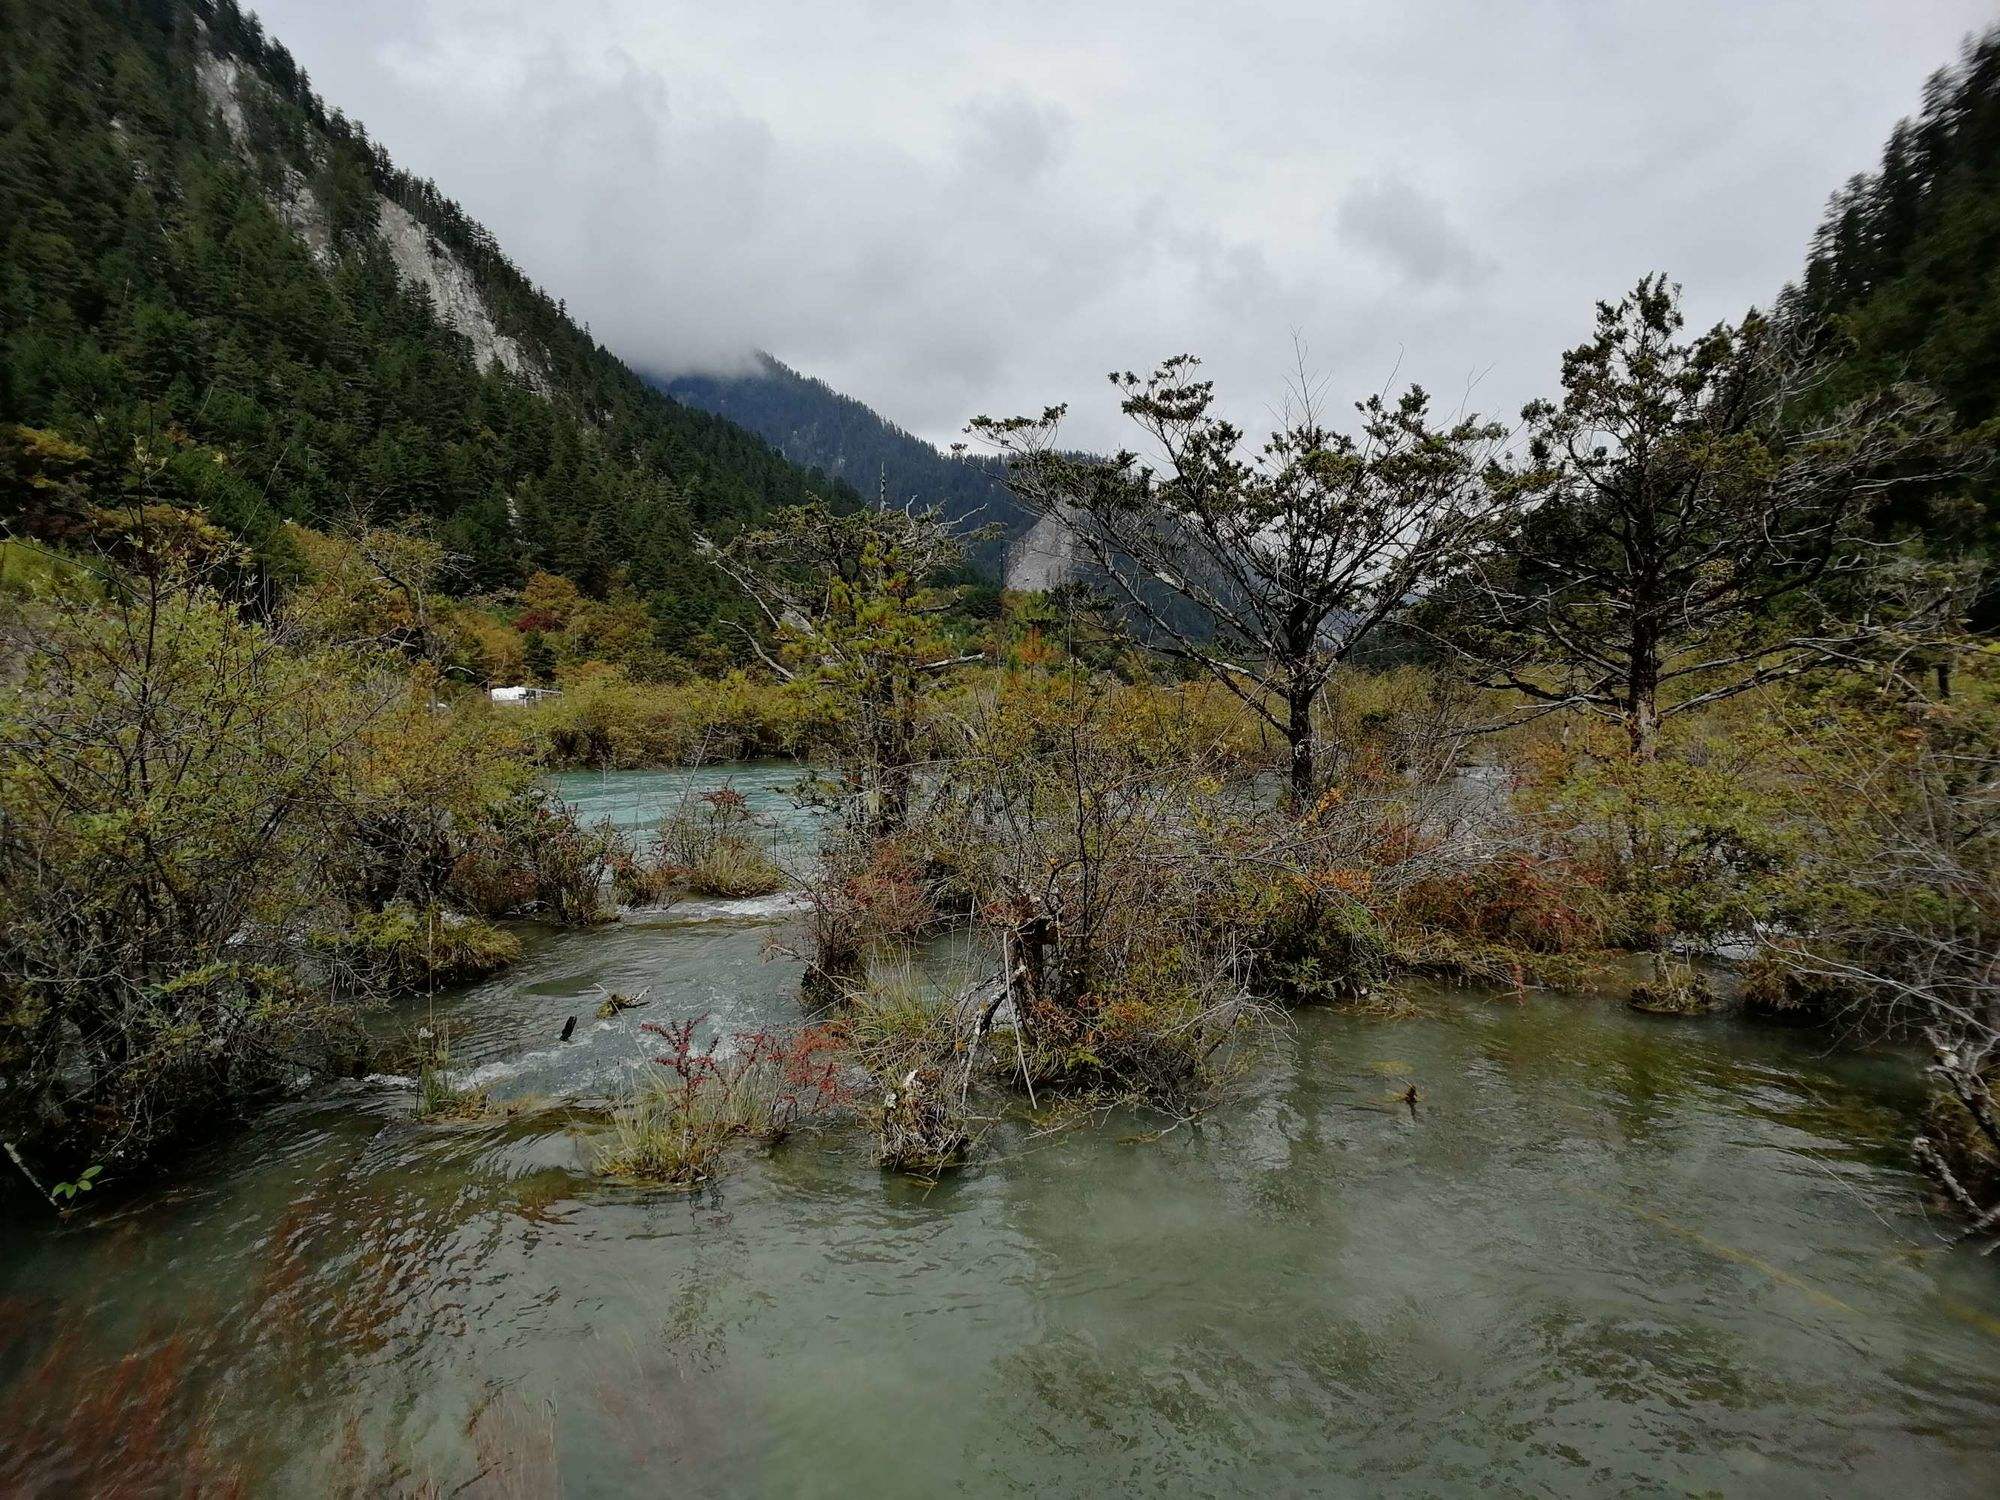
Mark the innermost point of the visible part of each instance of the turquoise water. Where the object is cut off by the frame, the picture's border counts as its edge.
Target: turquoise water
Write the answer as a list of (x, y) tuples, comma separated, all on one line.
[(1606, 1253), (636, 801)]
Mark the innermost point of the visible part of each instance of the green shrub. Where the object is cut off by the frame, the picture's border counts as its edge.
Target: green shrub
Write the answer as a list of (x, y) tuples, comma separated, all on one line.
[(406, 947), (1311, 940), (1700, 844), (171, 784), (1779, 985), (865, 895)]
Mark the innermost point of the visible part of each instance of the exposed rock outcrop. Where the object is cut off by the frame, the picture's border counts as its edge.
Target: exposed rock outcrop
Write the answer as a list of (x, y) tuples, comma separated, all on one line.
[(1042, 559), (419, 259), (422, 261), (299, 206), (221, 79)]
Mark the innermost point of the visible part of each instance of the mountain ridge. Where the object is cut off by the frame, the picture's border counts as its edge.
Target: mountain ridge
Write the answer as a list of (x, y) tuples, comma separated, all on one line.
[(213, 276), (821, 428)]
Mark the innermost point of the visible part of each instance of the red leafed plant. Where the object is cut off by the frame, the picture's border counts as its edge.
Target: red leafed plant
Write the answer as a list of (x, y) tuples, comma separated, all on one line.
[(757, 1084)]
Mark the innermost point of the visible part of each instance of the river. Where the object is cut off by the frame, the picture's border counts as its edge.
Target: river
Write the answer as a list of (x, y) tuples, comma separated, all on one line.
[(1605, 1253)]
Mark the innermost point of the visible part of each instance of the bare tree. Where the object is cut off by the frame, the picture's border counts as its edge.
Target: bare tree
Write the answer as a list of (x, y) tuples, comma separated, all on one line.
[(1290, 558), (1690, 530)]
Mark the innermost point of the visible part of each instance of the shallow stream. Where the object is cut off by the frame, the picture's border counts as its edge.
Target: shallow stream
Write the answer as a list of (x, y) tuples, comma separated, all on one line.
[(1605, 1253)]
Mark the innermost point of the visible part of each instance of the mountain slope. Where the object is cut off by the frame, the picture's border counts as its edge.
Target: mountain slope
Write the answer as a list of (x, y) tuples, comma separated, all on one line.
[(814, 425), (232, 298), (1901, 280)]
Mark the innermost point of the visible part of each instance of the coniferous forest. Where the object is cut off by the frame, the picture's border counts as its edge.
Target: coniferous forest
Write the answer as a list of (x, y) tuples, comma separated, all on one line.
[(571, 931), (1898, 282), (156, 299)]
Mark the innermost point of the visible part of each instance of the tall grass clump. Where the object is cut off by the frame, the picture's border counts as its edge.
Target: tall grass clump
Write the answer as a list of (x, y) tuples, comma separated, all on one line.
[(438, 1098), (919, 1046), (709, 846), (752, 1085)]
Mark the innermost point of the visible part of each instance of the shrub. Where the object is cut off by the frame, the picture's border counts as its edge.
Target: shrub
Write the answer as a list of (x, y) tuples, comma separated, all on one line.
[(666, 1136), (170, 776), (535, 858), (1517, 901), (424, 784), (1312, 938), (920, 1122), (1693, 846), (639, 882), (1779, 984), (864, 895), (1098, 872)]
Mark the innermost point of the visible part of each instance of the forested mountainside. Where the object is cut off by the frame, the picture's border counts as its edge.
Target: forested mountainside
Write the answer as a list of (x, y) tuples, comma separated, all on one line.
[(816, 426), (1903, 277), (217, 291)]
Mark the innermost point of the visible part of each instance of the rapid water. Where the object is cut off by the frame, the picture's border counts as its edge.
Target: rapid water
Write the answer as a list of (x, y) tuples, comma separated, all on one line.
[(1605, 1254)]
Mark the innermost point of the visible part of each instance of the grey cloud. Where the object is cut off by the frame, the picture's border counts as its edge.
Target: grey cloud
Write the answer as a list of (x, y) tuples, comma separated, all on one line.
[(1411, 233), (1011, 137), (948, 208)]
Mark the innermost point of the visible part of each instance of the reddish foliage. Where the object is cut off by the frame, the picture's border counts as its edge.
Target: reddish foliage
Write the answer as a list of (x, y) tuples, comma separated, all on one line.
[(893, 890), (797, 1073), (1542, 906)]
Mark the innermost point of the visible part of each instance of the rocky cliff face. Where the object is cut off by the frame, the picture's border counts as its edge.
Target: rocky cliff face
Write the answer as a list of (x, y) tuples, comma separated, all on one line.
[(422, 261), (1043, 558), (418, 257)]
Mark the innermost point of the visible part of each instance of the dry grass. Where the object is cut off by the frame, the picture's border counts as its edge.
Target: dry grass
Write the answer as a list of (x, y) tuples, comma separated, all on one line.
[(734, 868)]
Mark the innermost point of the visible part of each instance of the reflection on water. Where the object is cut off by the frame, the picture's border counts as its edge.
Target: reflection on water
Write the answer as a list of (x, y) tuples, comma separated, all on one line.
[(1607, 1253)]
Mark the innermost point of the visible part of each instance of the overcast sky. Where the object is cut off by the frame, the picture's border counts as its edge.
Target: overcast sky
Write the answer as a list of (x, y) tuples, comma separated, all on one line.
[(946, 209)]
